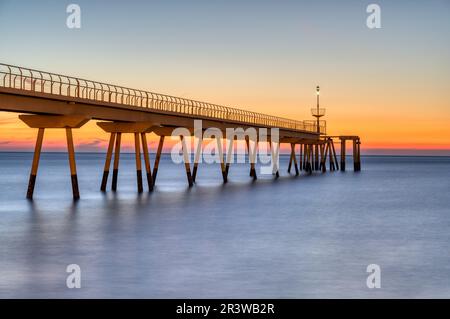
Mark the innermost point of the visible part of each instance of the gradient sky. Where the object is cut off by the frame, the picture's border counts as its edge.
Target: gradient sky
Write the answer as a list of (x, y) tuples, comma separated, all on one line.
[(391, 85)]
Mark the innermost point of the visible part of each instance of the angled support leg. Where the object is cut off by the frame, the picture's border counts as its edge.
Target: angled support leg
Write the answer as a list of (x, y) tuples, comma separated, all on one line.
[(330, 155), (147, 161), (198, 151), (305, 157), (300, 156), (294, 159), (229, 157), (326, 149), (35, 165), (316, 158), (116, 162), (322, 152), (290, 161), (332, 163), (249, 155), (186, 161), (73, 168), (108, 162), (275, 151), (308, 155), (138, 162), (252, 155), (334, 155), (222, 164), (157, 158)]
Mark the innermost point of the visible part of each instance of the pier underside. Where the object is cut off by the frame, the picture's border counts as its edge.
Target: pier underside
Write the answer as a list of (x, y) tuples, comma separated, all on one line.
[(313, 153)]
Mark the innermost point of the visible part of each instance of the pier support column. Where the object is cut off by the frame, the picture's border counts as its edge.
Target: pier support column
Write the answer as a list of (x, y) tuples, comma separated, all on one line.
[(323, 157), (147, 161), (308, 158), (334, 154), (293, 159), (313, 157), (252, 151), (343, 155), (73, 168), (253, 160), (198, 151), (290, 163), (316, 158), (35, 165), (275, 151), (221, 158), (116, 162), (305, 154), (229, 158), (359, 154), (356, 155), (108, 162), (187, 161), (138, 129), (248, 152), (331, 159), (300, 157), (137, 150), (42, 122), (157, 158)]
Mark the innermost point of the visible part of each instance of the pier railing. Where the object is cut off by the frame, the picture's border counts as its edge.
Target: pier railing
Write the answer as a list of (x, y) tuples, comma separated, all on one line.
[(56, 84)]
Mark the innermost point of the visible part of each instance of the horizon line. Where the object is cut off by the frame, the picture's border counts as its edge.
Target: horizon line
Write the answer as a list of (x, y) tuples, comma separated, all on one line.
[(284, 154)]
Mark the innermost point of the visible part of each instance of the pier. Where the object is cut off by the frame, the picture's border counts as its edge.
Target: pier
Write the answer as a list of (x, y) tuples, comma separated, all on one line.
[(54, 101)]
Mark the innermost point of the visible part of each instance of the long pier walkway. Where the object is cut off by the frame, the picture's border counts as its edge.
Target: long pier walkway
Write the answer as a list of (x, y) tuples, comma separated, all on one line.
[(54, 101)]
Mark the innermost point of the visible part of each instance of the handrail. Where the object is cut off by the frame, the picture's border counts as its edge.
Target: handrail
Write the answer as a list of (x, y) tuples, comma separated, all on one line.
[(102, 92)]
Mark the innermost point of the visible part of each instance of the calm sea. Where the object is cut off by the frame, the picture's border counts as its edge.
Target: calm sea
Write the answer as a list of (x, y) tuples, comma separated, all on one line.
[(295, 237)]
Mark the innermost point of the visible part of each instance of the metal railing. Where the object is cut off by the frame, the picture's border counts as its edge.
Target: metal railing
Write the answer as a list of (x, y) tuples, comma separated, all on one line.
[(322, 125), (61, 85)]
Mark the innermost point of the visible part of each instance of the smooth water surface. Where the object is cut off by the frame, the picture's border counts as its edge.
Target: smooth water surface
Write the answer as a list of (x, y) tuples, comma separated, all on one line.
[(295, 237)]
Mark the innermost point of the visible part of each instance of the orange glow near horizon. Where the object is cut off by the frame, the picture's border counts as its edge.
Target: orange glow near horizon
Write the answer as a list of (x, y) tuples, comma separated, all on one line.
[(386, 117), (376, 135), (390, 119)]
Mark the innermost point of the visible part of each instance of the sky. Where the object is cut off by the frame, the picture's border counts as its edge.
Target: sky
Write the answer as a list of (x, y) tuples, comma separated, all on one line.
[(391, 86)]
